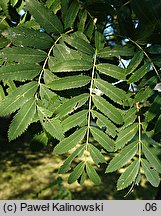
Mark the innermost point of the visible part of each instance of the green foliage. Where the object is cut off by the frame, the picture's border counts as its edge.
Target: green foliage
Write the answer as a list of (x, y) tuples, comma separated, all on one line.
[(58, 69)]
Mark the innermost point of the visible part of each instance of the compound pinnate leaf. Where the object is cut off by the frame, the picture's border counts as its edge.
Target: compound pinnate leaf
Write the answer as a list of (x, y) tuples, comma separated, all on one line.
[(22, 119), (126, 154), (70, 142), (17, 98), (129, 175)]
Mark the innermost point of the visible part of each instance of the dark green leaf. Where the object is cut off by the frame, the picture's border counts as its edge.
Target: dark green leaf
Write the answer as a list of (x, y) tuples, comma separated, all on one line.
[(108, 109), (17, 98), (129, 117), (44, 17), (77, 172), (40, 139), (79, 42), (109, 52), (129, 175), (99, 40), (67, 163), (158, 125), (111, 70), (74, 120), (22, 119), (70, 66), (135, 61), (23, 55), (96, 155), (94, 177), (114, 93), (69, 82), (103, 139), (154, 109), (21, 36), (103, 121), (139, 73), (71, 14), (123, 157), (152, 158), (70, 142), (147, 91), (72, 104), (83, 17), (126, 135), (20, 72), (151, 174)]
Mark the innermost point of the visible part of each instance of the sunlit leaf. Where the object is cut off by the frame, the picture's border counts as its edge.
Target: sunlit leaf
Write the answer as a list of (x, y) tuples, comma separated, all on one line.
[(139, 73), (71, 14), (114, 93), (22, 37), (116, 51), (103, 121)]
